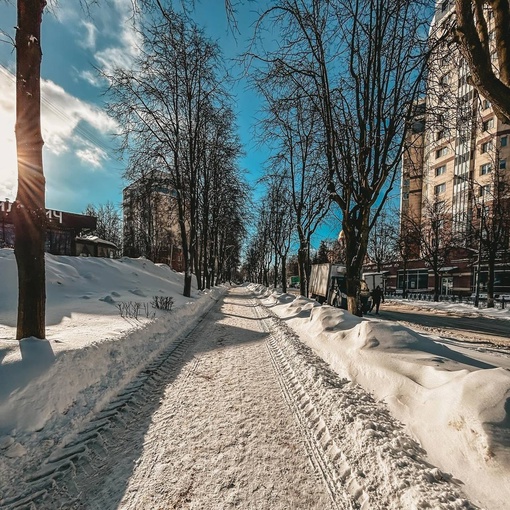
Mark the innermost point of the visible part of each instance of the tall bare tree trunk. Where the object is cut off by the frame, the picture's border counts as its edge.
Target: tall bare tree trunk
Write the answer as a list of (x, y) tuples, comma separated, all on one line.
[(30, 210)]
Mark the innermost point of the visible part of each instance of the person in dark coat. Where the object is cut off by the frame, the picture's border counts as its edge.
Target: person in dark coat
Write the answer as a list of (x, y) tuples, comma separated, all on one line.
[(377, 296)]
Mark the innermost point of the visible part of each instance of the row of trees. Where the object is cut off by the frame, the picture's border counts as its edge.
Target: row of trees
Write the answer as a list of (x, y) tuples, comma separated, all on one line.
[(177, 122), (339, 86), (109, 222), (353, 72), (399, 238)]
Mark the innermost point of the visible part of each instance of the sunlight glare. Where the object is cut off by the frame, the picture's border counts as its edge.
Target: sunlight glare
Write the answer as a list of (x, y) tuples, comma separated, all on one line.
[(8, 165)]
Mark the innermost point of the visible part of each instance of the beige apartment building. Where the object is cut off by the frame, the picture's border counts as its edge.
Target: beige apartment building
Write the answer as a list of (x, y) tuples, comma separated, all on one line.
[(457, 166), (150, 221)]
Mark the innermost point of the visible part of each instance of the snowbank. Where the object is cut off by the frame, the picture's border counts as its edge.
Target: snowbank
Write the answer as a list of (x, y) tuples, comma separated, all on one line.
[(49, 387), (456, 406)]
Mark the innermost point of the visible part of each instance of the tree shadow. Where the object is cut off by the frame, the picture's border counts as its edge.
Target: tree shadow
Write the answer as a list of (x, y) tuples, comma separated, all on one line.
[(111, 477), (36, 358)]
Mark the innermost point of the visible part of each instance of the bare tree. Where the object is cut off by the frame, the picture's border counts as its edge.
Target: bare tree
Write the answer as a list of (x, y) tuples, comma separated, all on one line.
[(222, 198), (382, 247), (281, 226), (109, 222), (361, 64), (490, 225), (30, 209), (408, 243), (436, 237), (163, 105), (292, 127), (479, 22), (259, 252)]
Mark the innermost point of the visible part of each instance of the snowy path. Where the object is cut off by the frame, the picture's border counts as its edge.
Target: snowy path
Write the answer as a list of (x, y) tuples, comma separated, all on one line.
[(240, 414), (213, 432)]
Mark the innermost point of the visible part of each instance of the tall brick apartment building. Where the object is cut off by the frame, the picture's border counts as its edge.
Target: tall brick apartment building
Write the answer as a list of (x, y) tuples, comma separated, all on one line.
[(457, 162)]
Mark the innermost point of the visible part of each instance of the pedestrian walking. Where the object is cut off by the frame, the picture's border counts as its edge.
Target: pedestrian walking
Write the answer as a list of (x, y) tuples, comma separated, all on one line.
[(377, 296)]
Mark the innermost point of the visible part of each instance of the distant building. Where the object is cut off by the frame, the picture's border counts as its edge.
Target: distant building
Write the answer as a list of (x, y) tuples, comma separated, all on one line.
[(93, 246), (62, 229), (150, 220)]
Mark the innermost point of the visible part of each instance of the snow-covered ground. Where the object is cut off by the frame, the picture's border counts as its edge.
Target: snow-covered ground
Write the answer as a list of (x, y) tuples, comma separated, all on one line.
[(456, 408)]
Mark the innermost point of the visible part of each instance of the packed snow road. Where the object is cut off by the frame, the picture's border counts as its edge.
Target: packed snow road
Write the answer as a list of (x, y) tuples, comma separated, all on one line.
[(447, 323), (240, 414)]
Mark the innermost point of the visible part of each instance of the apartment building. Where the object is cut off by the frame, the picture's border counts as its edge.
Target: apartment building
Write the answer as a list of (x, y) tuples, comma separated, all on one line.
[(458, 168), (150, 220)]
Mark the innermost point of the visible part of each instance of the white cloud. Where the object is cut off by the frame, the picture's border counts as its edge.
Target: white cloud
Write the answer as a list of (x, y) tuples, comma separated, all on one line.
[(111, 30), (91, 77), (89, 41), (68, 125), (94, 156), (126, 46)]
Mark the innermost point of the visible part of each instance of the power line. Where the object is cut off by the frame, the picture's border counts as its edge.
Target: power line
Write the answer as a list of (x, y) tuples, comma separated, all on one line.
[(86, 134)]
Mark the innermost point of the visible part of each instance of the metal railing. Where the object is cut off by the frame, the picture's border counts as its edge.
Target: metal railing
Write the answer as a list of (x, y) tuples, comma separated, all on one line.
[(501, 302)]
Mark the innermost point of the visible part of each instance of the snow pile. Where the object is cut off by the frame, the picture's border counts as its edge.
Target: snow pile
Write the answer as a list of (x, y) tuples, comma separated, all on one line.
[(456, 406), (51, 386)]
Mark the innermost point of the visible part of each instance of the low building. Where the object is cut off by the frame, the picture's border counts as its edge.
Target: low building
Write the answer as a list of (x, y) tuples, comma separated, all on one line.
[(62, 229), (93, 246)]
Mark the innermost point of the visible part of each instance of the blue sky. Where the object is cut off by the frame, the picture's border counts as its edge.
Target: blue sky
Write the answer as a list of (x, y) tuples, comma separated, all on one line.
[(80, 164)]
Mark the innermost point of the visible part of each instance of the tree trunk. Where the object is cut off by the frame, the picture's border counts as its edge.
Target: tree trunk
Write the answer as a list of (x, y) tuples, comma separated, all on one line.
[(284, 274), (30, 209), (404, 278), (437, 278), (303, 275), (491, 262)]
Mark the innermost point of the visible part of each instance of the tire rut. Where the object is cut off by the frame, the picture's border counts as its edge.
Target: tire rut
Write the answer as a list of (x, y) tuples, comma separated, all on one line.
[(52, 484)]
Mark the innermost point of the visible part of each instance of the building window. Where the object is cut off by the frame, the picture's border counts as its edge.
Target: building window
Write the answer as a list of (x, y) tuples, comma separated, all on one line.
[(416, 279), (502, 164), (440, 170), (440, 188), (444, 80), (486, 147), (486, 104), (444, 5), (440, 135), (485, 169), (441, 152), (485, 190), (488, 124), (504, 141)]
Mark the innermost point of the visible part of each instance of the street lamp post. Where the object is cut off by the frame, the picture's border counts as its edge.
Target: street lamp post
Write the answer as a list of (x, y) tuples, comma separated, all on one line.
[(479, 263)]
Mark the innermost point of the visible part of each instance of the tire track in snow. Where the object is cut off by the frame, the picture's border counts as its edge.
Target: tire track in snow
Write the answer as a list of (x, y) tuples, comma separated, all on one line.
[(220, 434), (54, 479), (367, 459)]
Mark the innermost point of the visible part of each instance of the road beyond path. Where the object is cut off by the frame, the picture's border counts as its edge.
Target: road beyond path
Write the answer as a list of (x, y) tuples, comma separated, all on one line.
[(478, 329)]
